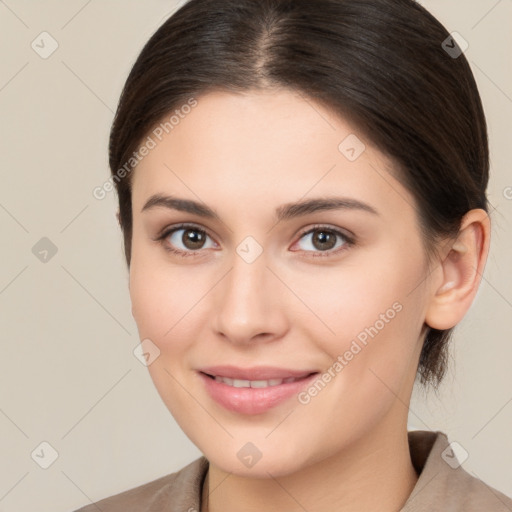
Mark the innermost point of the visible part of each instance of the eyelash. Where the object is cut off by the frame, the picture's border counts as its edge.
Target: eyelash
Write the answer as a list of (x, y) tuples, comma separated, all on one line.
[(348, 240)]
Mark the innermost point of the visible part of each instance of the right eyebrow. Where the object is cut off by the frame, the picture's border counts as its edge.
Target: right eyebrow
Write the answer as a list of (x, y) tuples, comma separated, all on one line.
[(182, 205)]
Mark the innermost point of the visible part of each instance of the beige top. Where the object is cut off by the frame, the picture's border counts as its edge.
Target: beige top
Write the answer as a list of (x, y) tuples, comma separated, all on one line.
[(443, 485)]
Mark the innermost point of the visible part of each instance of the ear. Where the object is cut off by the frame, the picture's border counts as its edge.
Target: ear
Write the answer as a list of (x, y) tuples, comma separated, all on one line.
[(461, 271), (118, 218)]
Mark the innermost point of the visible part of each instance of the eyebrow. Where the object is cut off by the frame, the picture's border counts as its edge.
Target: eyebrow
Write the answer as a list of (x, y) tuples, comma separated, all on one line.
[(283, 212)]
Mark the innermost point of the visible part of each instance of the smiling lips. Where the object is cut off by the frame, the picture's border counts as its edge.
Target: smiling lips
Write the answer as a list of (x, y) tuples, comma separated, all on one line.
[(243, 383), (253, 390)]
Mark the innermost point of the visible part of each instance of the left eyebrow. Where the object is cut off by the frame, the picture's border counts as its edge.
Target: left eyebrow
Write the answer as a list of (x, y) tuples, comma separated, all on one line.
[(283, 212), (307, 206)]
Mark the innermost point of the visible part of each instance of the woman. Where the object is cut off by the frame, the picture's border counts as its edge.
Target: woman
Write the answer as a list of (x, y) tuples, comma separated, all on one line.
[(302, 198)]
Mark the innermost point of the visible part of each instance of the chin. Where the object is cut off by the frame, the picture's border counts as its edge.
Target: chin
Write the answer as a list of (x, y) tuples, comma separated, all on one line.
[(257, 459)]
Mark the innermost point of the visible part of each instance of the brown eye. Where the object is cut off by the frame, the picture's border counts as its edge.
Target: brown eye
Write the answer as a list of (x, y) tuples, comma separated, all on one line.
[(323, 239), (193, 238), (186, 240)]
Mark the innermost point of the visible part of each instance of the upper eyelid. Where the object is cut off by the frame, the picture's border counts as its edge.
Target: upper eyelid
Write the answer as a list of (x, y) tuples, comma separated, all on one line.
[(344, 232), (185, 225)]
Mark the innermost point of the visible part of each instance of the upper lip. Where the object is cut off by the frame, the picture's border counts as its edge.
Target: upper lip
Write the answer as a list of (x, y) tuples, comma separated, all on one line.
[(255, 373)]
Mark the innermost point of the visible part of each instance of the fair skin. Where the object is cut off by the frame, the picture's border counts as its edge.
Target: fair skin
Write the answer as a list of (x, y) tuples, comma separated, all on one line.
[(298, 305)]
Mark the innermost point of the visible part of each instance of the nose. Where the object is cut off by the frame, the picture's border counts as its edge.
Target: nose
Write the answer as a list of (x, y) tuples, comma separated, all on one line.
[(248, 304)]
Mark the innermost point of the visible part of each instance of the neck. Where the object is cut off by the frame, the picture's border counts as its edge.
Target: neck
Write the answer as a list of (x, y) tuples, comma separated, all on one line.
[(374, 473)]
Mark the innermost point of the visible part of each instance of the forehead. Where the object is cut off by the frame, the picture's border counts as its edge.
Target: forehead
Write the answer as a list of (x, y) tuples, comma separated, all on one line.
[(272, 146)]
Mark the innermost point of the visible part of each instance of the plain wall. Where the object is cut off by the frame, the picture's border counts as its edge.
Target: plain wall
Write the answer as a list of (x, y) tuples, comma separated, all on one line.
[(68, 374)]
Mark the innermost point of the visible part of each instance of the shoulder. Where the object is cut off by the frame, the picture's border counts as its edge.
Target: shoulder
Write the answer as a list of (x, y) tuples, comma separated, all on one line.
[(472, 494), (443, 483), (484, 497), (181, 489), (465, 492)]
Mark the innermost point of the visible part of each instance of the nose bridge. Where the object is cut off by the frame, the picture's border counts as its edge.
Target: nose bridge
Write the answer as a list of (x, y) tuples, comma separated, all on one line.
[(246, 305)]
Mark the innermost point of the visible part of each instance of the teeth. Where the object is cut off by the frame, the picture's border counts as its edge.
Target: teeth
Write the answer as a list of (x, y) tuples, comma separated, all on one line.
[(238, 383), (241, 383), (260, 384)]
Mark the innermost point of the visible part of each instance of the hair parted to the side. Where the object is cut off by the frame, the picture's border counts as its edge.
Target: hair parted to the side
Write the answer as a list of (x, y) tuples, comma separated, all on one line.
[(378, 63)]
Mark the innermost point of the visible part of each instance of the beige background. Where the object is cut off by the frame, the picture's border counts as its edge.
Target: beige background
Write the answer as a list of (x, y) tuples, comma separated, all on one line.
[(68, 374)]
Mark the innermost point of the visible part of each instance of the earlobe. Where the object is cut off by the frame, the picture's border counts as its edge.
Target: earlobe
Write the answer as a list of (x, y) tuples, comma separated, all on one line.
[(118, 218), (461, 271)]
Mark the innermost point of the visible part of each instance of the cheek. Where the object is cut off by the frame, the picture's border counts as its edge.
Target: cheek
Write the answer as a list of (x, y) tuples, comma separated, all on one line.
[(162, 299), (163, 307), (344, 301), (369, 316)]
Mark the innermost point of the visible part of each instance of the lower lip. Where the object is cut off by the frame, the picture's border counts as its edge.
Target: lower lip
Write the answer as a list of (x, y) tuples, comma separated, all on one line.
[(253, 400)]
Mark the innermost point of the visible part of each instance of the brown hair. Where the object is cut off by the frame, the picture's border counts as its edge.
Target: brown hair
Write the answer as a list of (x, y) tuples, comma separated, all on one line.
[(386, 65)]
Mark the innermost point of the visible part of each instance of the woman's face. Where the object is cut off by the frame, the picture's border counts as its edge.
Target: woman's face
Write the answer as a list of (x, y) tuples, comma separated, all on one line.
[(262, 290)]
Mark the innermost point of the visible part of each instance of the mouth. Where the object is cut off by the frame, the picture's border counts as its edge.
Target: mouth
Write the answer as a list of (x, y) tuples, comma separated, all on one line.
[(245, 383), (256, 373), (256, 390)]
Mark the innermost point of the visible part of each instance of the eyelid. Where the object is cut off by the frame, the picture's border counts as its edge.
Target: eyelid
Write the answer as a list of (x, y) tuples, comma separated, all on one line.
[(348, 235), (167, 230)]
